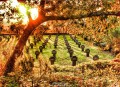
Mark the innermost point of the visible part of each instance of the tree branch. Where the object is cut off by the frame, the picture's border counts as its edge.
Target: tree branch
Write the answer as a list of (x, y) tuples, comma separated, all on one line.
[(82, 16), (42, 5)]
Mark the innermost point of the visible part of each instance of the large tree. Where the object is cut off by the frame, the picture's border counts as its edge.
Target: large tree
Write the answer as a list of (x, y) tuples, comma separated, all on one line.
[(61, 10)]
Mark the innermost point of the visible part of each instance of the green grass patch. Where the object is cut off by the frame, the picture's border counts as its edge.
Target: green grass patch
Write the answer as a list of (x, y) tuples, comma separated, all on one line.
[(62, 56)]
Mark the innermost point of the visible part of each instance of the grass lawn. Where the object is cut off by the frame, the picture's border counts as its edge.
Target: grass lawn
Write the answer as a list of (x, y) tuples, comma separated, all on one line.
[(62, 56)]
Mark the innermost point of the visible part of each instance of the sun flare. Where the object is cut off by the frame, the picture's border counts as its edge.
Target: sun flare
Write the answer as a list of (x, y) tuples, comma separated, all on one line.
[(24, 10), (34, 13)]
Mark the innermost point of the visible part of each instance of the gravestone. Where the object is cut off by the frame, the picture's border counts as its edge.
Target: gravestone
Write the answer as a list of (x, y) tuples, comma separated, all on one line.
[(87, 52), (43, 45), (82, 47), (52, 60), (74, 59), (41, 48), (54, 53), (95, 57), (71, 52), (79, 44), (68, 47), (37, 54), (31, 45), (55, 45)]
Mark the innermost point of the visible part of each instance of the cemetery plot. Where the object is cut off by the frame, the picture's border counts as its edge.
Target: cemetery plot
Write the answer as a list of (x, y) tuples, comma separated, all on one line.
[(60, 48), (63, 49)]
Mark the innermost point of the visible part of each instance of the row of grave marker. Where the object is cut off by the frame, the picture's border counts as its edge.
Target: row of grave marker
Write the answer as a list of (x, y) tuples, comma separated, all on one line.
[(70, 50), (87, 51), (54, 52)]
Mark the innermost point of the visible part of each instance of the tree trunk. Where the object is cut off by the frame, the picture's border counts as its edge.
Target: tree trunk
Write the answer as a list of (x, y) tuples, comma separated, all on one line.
[(9, 66)]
